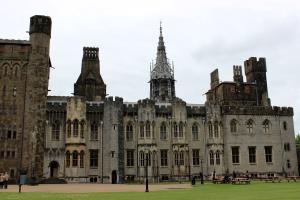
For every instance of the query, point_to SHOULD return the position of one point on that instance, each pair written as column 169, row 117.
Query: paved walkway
column 87, row 188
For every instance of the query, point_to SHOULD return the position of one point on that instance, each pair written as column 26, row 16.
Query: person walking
column 1, row 181
column 5, row 177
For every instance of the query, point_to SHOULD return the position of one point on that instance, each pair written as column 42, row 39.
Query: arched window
column 175, row 130
column 163, row 131
column 5, row 70
column 148, row 129
column 176, row 158
column 81, row 159
column 75, row 128
column 285, row 125
column 233, row 126
column 142, row 134
column 94, row 131
column 249, row 126
column 211, row 158
column 82, row 129
column 142, row 159
column 216, row 129
column 75, row 159
column 16, row 70
column 69, row 128
column 195, row 132
column 218, row 161
column 266, row 126
column 55, row 130
column 181, row 130
column 129, row 132
column 181, row 158
column 210, row 130
column 148, row 159
column 68, row 157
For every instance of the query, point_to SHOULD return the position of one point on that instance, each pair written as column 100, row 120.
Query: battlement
column 257, row 110
column 40, row 24
column 90, row 52
column 196, row 110
column 112, row 99
column 147, row 101
column 254, row 65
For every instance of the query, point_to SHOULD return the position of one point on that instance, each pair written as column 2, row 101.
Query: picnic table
column 273, row 180
column 240, row 181
column 292, row 178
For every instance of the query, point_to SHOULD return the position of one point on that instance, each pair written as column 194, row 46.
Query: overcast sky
column 199, row 36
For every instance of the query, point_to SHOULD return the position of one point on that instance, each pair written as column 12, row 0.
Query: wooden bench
column 273, row 180
column 217, row 181
column 240, row 181
column 291, row 178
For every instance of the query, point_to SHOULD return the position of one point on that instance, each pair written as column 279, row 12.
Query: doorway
column 114, row 177
column 54, row 169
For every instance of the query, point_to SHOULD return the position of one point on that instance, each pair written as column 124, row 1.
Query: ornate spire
column 162, row 83
column 162, row 68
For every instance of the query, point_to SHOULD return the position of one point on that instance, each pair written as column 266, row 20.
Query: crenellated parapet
column 196, row 110
column 257, row 110
column 90, row 52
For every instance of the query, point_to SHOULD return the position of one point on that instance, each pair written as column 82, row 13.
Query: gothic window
column 216, row 129
column 82, row 129
column 4, row 91
column 252, row 155
column 181, row 158
column 142, row 134
column 266, row 126
column 196, row 157
column 288, row 164
column 235, row 155
column 218, row 159
column 175, row 130
column 68, row 158
column 181, row 126
column 130, row 158
column 55, row 130
column 164, row 158
column 268, row 154
column 69, row 128
column 233, row 126
column 210, row 130
column 81, row 159
column 249, row 126
column 129, row 132
column 211, row 158
column 75, row 159
column 75, row 128
column 93, row 158
column 163, row 131
column 142, row 159
column 148, row 159
column 195, row 132
column 94, row 131
column 16, row 71
column 287, row 147
column 176, row 158
column 148, row 129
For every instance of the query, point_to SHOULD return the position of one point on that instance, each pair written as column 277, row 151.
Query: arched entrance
column 114, row 177
column 54, row 169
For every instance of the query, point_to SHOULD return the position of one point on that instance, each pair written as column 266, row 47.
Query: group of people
column 3, row 180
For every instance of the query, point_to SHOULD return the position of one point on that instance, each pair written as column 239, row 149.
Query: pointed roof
column 162, row 67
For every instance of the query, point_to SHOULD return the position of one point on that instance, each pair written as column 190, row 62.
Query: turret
column 214, row 78
column 36, row 86
column 237, row 74
column 256, row 73
column 90, row 83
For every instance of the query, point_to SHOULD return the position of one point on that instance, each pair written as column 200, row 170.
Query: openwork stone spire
column 162, row 67
column 162, row 83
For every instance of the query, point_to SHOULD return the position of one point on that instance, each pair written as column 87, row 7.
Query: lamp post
column 201, row 176
column 146, row 170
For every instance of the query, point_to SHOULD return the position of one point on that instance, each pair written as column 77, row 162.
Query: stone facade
column 89, row 137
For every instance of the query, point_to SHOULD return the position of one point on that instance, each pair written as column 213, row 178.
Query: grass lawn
column 254, row 191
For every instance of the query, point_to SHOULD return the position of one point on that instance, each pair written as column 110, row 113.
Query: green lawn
column 254, row 191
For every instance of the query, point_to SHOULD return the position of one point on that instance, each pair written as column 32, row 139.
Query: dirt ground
column 87, row 188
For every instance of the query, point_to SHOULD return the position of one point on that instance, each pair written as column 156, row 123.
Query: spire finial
column 160, row 28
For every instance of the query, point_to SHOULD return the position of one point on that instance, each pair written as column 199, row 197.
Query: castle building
column 89, row 137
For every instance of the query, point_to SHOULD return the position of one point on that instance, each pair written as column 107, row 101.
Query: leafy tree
column 298, row 141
